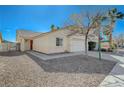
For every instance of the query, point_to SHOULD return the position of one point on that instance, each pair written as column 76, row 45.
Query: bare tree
column 88, row 22
column 98, row 24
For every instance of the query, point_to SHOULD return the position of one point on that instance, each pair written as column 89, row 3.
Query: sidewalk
column 116, row 76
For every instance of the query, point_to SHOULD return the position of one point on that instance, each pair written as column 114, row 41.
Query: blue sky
column 40, row 18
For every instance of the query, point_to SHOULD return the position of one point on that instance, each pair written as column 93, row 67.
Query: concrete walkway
column 116, row 76
column 52, row 56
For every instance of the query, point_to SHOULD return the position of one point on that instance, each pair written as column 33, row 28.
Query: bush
column 113, row 47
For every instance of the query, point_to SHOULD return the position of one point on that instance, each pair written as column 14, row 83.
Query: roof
column 27, row 34
column 72, row 28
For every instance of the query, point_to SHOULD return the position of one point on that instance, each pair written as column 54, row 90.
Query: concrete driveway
column 22, row 69
column 116, row 76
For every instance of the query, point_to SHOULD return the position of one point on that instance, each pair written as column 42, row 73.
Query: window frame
column 59, row 41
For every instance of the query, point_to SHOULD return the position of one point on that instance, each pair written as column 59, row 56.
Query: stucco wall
column 105, row 45
column 47, row 43
column 27, row 44
column 20, row 40
column 0, row 38
column 52, row 48
column 0, row 41
column 22, row 44
column 40, row 44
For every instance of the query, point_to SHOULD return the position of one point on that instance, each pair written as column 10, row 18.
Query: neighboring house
column 105, row 45
column 61, row 40
column 6, row 45
column 0, row 38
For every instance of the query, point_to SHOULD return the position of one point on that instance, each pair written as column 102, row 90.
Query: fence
column 4, row 47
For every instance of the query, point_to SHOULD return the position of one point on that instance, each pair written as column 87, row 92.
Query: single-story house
column 61, row 40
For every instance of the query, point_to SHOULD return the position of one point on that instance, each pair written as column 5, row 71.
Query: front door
column 31, row 44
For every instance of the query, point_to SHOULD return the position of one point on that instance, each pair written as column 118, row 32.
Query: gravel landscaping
column 21, row 69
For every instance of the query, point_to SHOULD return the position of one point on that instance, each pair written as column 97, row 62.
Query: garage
column 77, row 45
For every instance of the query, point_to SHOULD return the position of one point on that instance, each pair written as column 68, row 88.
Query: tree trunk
column 99, row 43
column 86, row 41
column 86, row 45
column 110, row 38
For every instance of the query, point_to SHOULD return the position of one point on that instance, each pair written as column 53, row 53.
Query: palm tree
column 113, row 15
column 52, row 26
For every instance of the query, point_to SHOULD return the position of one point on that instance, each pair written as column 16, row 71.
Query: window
column 59, row 41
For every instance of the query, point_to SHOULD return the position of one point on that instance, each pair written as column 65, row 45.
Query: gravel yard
column 21, row 69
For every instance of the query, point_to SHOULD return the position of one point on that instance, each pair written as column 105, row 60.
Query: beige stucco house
column 61, row 40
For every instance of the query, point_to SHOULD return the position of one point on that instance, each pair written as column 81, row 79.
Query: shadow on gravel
column 11, row 53
column 75, row 64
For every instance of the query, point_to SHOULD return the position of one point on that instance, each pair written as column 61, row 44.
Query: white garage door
column 77, row 45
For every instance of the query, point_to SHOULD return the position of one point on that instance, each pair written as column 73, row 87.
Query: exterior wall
column 41, row 44
column 105, row 45
column 27, row 44
column 47, row 43
column 0, row 38
column 0, row 41
column 20, row 40
column 52, row 48
column 24, row 43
